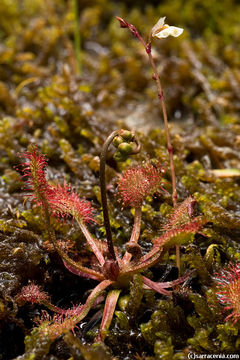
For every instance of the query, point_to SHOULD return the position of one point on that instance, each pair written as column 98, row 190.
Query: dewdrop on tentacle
column 138, row 182
column 228, row 290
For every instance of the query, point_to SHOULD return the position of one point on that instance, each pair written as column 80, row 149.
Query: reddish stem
column 165, row 118
column 92, row 243
column 147, row 47
column 109, row 308
column 135, row 234
column 78, row 267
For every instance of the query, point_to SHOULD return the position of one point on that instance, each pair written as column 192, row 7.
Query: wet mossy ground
column 44, row 99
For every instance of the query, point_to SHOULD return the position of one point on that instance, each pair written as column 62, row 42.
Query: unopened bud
column 122, row 22
column 117, row 141
column 118, row 157
column 126, row 135
column 125, row 148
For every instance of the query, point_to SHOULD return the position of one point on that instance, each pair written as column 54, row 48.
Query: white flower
column 161, row 30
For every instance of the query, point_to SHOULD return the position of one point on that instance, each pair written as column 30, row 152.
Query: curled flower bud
column 123, row 23
column 138, row 182
column 125, row 136
column 161, row 30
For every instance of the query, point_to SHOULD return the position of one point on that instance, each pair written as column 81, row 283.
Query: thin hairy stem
column 169, row 144
column 165, row 118
column 57, row 309
column 92, row 243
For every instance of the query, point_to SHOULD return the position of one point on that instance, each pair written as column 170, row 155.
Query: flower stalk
column 104, row 193
column 158, row 31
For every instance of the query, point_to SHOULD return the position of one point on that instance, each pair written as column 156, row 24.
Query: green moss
column 228, row 335
column 165, row 325
column 195, row 261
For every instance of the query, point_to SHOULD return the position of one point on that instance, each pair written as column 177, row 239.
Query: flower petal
column 171, row 30
column 157, row 27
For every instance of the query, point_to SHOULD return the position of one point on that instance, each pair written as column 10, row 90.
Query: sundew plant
column 112, row 269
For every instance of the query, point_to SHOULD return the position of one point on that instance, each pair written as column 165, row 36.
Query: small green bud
column 125, row 148
column 117, row 141
column 126, row 135
column 118, row 157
